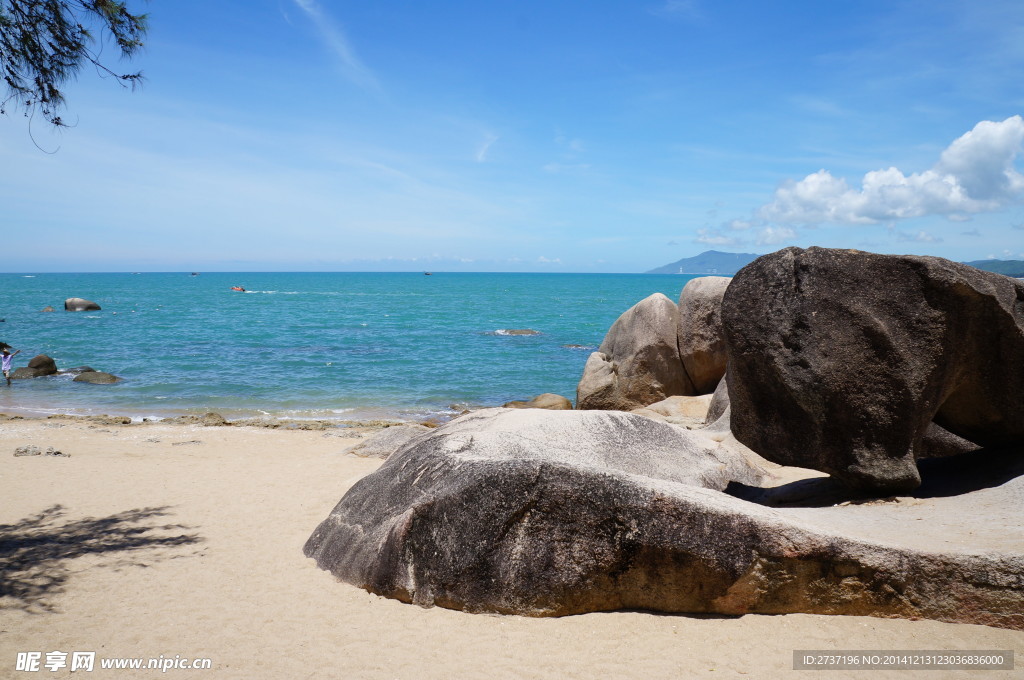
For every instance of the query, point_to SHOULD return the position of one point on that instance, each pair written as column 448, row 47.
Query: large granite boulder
column 638, row 362
column 562, row 512
column 700, row 337
column 76, row 304
column 38, row 366
column 840, row 360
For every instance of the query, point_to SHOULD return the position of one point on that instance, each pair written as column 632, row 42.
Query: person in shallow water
column 7, row 356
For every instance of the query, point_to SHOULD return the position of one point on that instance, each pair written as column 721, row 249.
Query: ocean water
column 344, row 346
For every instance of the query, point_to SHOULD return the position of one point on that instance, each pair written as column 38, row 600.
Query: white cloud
column 974, row 174
column 544, row 260
column 739, row 225
column 921, row 236
column 714, row 237
column 770, row 236
column 335, row 38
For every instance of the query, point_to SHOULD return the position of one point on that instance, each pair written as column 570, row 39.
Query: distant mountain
column 712, row 262
column 1014, row 268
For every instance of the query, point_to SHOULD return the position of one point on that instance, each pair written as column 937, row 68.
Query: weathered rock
column 678, row 410
column 387, row 441
column 76, row 304
column 47, row 308
column 719, row 405
column 38, row 366
column 96, row 378
column 553, row 402
column 207, row 420
column 43, row 364
column 700, row 337
column 551, row 513
column 638, row 363
column 75, row 370
column 840, row 360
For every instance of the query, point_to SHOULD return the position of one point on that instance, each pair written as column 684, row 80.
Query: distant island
column 710, row 263
column 1014, row 268
column 717, row 263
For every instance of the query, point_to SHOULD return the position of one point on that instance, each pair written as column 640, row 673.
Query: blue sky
column 529, row 136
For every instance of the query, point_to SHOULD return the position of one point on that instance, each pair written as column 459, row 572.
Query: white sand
column 243, row 595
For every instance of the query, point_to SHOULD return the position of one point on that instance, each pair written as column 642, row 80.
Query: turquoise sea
column 344, row 346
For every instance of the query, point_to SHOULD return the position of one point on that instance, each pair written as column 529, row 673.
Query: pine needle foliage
column 44, row 43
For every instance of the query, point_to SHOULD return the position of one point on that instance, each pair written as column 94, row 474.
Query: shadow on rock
column 940, row 478
column 33, row 551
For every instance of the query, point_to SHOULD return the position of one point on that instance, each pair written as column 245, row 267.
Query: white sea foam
column 514, row 331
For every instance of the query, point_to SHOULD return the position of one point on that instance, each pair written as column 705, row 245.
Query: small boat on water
column 238, row 288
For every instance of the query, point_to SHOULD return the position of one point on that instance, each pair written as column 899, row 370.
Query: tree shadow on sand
column 33, row 551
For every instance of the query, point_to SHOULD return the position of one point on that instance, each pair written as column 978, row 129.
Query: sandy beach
column 185, row 541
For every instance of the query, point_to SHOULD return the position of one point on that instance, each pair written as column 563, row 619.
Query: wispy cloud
column 920, row 236
column 335, row 39
column 677, row 9
column 714, row 237
column 772, row 236
column 484, row 147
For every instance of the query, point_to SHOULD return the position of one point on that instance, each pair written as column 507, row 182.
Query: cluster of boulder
column 659, row 349
column 841, row 377
column 41, row 365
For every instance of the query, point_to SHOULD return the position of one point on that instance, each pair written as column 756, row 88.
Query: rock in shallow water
column 76, row 304
column 562, row 512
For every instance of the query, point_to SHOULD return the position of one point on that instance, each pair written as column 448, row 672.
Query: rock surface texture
column 840, row 360
column 700, row 338
column 554, row 402
column 561, row 512
column 80, row 305
column 638, row 362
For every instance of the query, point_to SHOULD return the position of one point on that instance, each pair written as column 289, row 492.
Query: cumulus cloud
column 974, row 174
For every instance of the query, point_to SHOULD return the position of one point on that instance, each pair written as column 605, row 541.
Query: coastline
column 177, row 538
